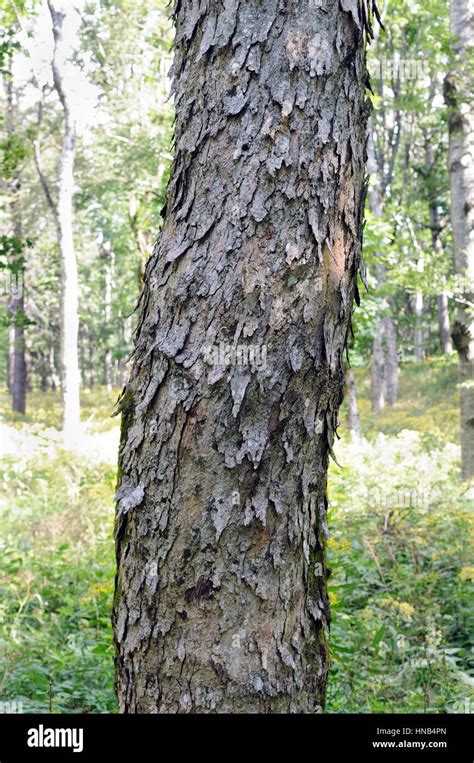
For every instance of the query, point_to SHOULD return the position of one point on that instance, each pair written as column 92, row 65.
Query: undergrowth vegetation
column 401, row 584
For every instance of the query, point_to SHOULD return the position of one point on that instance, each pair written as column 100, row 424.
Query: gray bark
column 221, row 601
column 458, row 92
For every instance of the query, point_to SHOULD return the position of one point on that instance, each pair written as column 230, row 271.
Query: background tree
column 458, row 92
column 64, row 214
column 13, row 245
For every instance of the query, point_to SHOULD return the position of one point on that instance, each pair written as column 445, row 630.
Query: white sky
column 39, row 43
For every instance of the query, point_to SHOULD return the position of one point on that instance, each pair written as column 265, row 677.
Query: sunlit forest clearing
column 401, row 559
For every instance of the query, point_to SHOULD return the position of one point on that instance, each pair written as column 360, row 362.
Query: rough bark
column 458, row 93
column 221, row 600
column 70, row 375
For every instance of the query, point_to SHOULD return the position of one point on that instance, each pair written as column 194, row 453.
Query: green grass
column 56, row 583
column 399, row 551
column 429, row 402
column 44, row 410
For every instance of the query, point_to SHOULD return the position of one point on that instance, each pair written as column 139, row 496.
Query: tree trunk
column 16, row 302
column 55, row 380
column 43, row 372
column 384, row 366
column 353, row 419
column 435, row 225
column 458, row 92
column 391, row 360
column 70, row 376
column 109, row 257
column 418, row 332
column 18, row 362
column 230, row 411
column 92, row 358
column 443, row 323
column 127, row 335
column 377, row 369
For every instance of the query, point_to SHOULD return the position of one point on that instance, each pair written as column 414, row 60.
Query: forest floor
column 399, row 551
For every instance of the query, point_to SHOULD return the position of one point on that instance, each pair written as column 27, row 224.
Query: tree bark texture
column 458, row 92
column 221, row 601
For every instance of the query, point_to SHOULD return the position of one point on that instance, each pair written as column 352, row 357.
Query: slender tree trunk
column 43, row 372
column 70, row 376
column 108, row 254
column 231, row 408
column 92, row 358
column 418, row 332
column 16, row 305
column 377, row 369
column 391, row 360
column 443, row 323
column 384, row 367
column 435, row 225
column 55, row 380
column 18, row 376
column 459, row 86
column 10, row 354
column 353, row 419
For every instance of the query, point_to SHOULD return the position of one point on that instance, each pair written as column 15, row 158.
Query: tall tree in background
column 16, row 308
column 437, row 244
column 221, row 601
column 70, row 376
column 353, row 417
column 459, row 86
column 384, row 367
